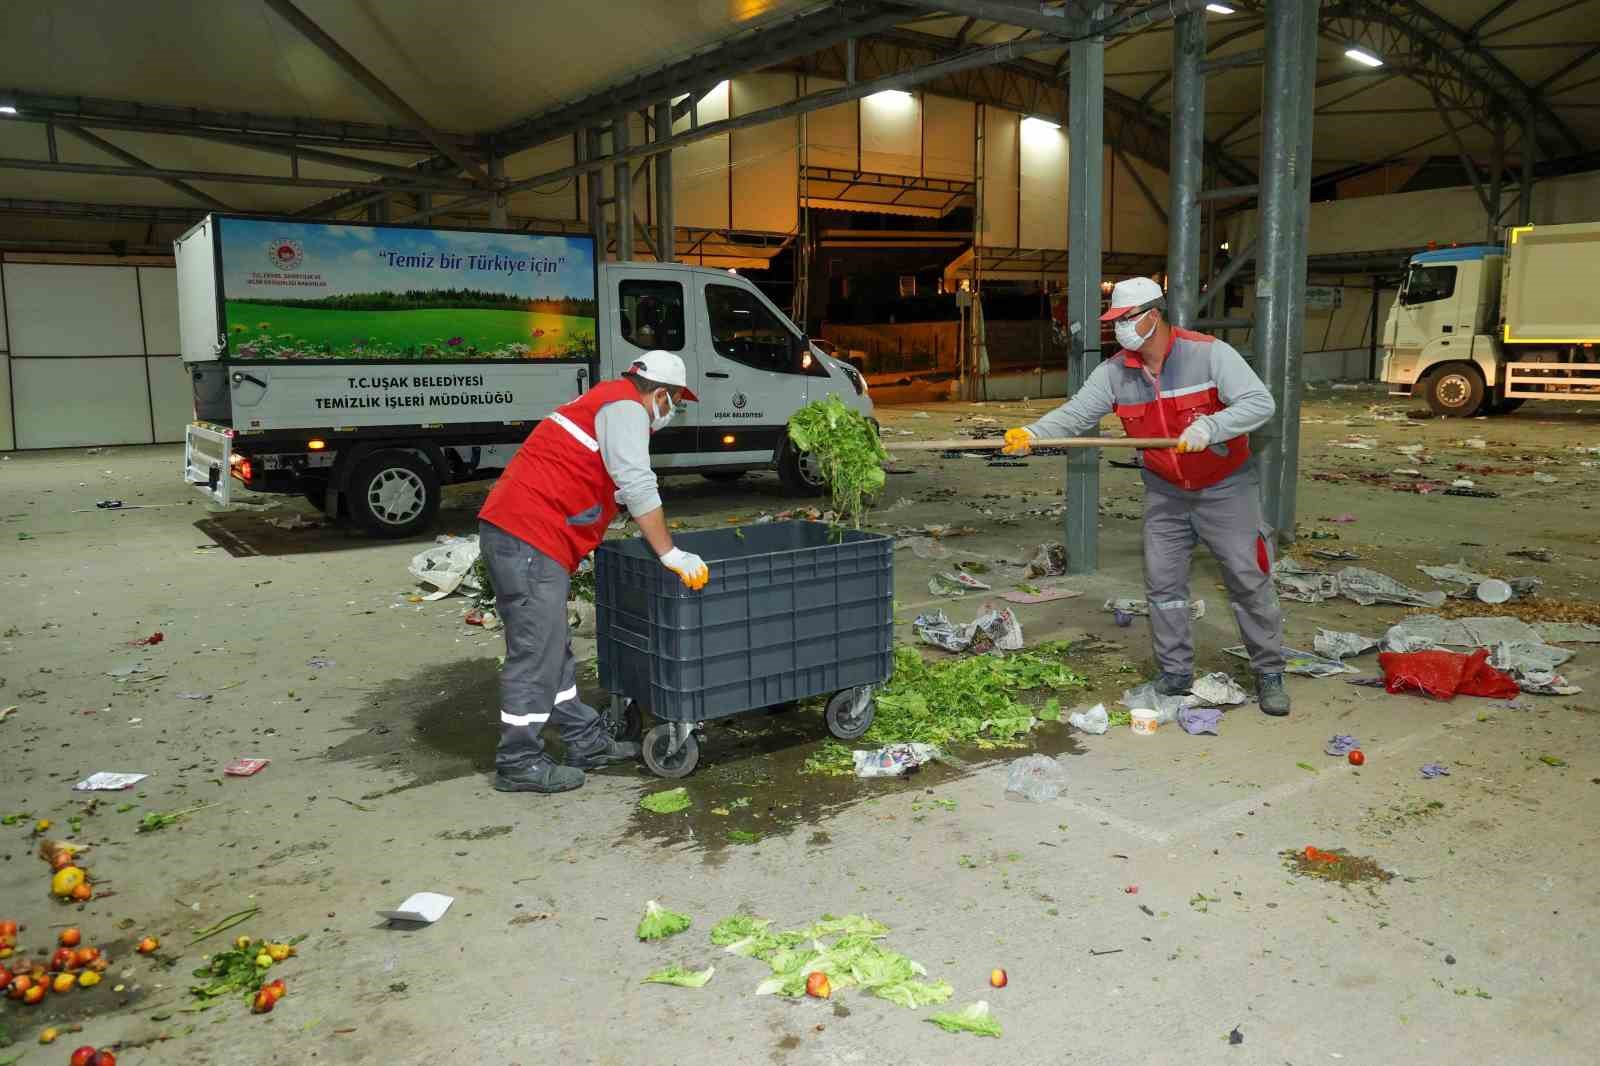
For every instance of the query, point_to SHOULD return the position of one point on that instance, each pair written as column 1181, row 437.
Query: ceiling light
column 1219, row 9
column 1048, row 123
column 899, row 95
column 1362, row 56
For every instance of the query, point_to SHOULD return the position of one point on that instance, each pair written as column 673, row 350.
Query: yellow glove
column 1019, row 441
column 688, row 566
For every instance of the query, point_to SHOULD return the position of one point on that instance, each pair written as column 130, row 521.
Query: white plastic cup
column 1143, row 721
column 1494, row 591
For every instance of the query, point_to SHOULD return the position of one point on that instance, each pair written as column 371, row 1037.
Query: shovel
column 1043, row 442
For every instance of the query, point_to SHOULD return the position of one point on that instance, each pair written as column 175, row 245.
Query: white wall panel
column 1043, row 218
column 158, row 295
column 72, row 310
column 171, row 397
column 67, row 402
column 891, row 133
column 766, row 158
column 832, row 134
column 559, row 200
column 948, row 128
column 8, row 439
column 1132, row 225
column 700, row 186
column 1000, row 178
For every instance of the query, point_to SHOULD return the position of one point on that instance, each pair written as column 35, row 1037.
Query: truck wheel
column 394, row 493
column 722, row 476
column 1455, row 390
column 799, row 473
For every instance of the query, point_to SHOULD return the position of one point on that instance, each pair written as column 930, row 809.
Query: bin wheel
column 680, row 763
column 624, row 721
column 844, row 720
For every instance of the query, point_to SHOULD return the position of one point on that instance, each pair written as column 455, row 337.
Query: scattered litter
column 1364, row 445
column 7, row 712
column 1336, row 865
column 1340, row 744
column 1462, row 483
column 294, row 522
column 1299, row 661
column 1197, row 608
column 1296, row 581
column 317, row 662
column 1538, row 555
column 992, row 630
column 1197, row 720
column 1090, row 719
column 447, row 566
column 1144, row 721
column 895, row 760
column 1049, row 561
column 1215, row 689
column 956, row 583
column 1445, row 674
column 1545, row 479
column 1479, row 494
column 667, row 801
column 201, row 696
column 108, row 781
column 1334, row 554
column 678, row 975
column 974, row 1019
column 245, row 767
column 426, row 907
column 1472, row 442
column 1146, row 698
column 1568, row 632
column 1037, row 778
column 1028, row 594
column 1337, row 644
column 1235, row 1037
column 923, row 547
column 1423, row 631
column 1435, row 769
column 127, row 671
column 145, row 642
column 1122, row 618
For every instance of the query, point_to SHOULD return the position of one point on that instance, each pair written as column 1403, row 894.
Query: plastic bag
column 1090, row 719
column 447, row 565
column 1037, row 778
column 1445, row 674
column 1146, row 696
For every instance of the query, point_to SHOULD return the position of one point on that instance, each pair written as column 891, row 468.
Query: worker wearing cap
column 1170, row 382
column 545, row 514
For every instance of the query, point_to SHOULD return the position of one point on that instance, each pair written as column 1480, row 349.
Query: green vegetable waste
column 848, row 453
column 973, row 1018
column 659, row 923
column 955, row 701
column 854, row 959
column 669, row 801
column 677, row 975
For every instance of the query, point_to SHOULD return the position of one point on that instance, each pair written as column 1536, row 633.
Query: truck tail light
column 243, row 470
column 316, row 444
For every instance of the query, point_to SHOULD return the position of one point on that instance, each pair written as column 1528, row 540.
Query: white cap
column 663, row 368
column 1129, row 294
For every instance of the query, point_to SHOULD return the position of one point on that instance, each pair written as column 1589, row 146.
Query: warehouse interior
column 942, row 193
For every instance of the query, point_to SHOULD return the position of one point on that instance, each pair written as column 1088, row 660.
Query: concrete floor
column 1480, row 950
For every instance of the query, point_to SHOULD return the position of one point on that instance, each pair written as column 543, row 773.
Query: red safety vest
column 1166, row 408
column 556, row 493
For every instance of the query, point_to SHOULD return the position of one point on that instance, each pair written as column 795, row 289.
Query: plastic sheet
column 1090, row 719
column 1036, row 778
column 447, row 565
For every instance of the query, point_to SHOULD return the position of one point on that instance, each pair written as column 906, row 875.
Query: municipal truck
column 366, row 366
column 1482, row 328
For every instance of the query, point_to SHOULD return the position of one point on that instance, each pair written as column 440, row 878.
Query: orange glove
column 1019, row 441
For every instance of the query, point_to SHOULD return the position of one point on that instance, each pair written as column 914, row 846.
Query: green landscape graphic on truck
column 309, row 291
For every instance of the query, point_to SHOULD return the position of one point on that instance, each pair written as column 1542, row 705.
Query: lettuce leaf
column 850, row 924
column 669, row 801
column 915, row 993
column 677, row 975
column 764, row 945
column 973, row 1018
column 659, row 923
column 739, row 927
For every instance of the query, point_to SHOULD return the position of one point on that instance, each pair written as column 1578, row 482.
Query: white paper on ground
column 107, row 781
column 420, row 907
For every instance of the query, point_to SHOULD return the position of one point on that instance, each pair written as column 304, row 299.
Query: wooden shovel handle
column 1055, row 442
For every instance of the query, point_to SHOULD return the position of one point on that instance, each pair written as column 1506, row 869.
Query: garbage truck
column 367, row 365
column 1480, row 329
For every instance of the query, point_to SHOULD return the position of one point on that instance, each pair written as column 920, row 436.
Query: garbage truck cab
column 1439, row 342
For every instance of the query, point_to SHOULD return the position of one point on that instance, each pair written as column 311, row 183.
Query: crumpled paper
column 956, row 583
column 1468, row 580
column 1197, row 720
column 1337, row 644
column 447, row 565
column 1424, row 631
column 992, row 630
column 1532, row 665
column 1299, row 661
column 896, row 760
column 1215, row 690
column 1197, row 608
column 1049, row 561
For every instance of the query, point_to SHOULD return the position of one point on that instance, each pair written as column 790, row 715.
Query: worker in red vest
column 545, row 514
column 1170, row 382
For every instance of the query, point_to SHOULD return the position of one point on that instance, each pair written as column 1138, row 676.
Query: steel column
column 497, row 206
column 1288, row 98
column 1188, row 159
column 1497, row 172
column 378, row 212
column 1085, row 167
column 590, row 142
column 622, row 189
column 666, row 241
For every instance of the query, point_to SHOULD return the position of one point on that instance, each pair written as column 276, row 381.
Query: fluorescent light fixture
column 899, row 95
column 1040, row 121
column 1219, row 9
column 7, row 109
column 1362, row 56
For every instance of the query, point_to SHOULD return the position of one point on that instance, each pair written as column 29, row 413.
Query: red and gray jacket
column 1202, row 378
column 556, row 494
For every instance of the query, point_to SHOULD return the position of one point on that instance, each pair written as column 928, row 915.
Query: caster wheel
column 844, row 720
column 624, row 720
column 680, row 763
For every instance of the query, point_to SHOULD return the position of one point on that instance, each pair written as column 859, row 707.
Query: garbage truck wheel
column 1455, row 390
column 394, row 493
column 680, row 763
column 799, row 473
column 844, row 720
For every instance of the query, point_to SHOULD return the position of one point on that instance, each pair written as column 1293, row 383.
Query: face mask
column 1128, row 335
column 660, row 421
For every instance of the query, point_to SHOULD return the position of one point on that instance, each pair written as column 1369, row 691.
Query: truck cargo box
column 1548, row 295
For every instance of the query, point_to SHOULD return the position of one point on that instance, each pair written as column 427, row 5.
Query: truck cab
column 1439, row 341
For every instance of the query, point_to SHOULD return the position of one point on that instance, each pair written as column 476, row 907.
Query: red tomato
column 61, row 960
column 83, row 1056
column 1356, row 758
column 817, row 985
column 103, row 1058
column 70, row 938
column 8, row 928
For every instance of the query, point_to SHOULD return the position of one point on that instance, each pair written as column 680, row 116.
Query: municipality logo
column 285, row 254
column 739, row 400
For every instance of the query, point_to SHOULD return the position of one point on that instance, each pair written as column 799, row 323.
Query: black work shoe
column 615, row 751
column 1271, row 695
column 1170, row 684
column 540, row 777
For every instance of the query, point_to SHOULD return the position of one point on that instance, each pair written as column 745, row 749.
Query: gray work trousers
column 539, row 680
column 1227, row 519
